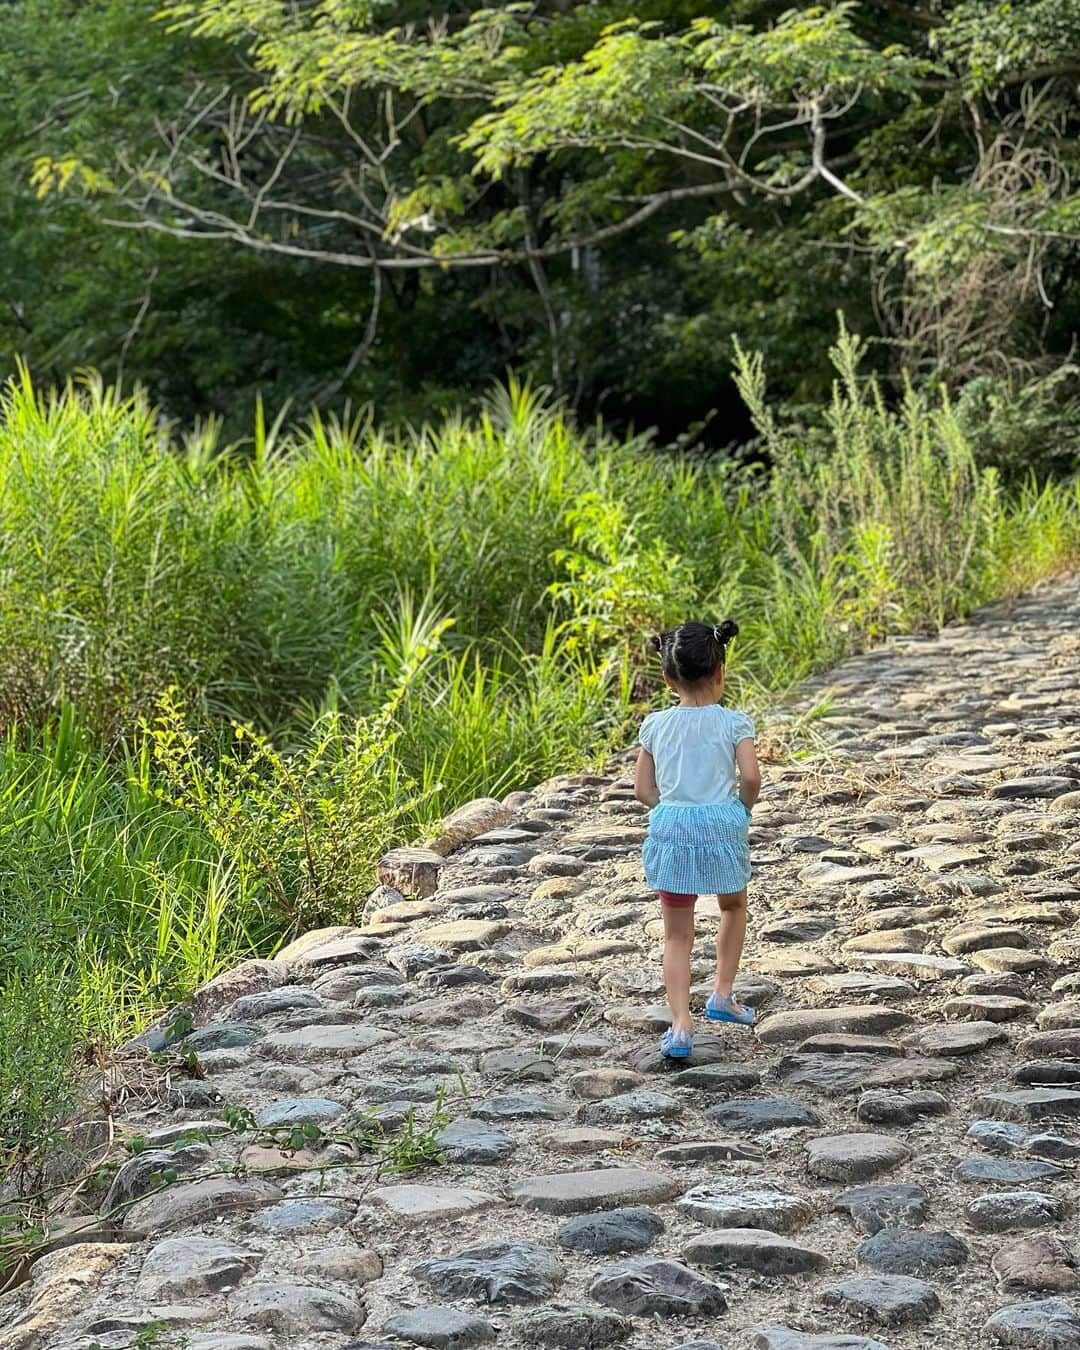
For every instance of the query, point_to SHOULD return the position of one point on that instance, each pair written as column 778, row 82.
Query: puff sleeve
column 741, row 727
column 645, row 733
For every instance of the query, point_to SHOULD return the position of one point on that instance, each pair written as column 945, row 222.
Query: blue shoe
column 721, row 1008
column 676, row 1044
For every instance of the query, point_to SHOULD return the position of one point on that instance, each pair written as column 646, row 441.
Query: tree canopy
column 605, row 193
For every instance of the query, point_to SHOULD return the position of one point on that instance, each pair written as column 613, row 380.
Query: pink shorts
column 677, row 899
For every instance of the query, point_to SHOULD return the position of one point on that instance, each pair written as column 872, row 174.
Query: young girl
column 696, row 842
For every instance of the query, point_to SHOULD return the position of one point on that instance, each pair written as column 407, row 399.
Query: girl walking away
column 697, row 769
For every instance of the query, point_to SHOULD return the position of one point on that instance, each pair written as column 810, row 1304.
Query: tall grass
column 231, row 676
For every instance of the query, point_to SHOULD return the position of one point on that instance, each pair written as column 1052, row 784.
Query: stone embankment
column 890, row 1160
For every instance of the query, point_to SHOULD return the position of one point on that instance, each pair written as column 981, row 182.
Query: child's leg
column 678, row 912
column 730, row 937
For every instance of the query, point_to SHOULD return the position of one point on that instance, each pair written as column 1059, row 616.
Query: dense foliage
column 393, row 201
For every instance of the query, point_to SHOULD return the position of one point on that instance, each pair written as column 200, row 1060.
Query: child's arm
column 749, row 773
column 645, row 789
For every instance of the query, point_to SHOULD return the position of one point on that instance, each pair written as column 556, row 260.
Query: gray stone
column 300, row 1216
column 602, row 1188
column 440, row 1328
column 900, row 1108
column 518, row 1106
column 495, row 1272
column 191, row 1267
column 474, row 1141
column 212, row 1340
column 854, row 1157
column 708, row 1050
column 1049, row 1324
column 619, row 1230
column 550, row 1015
column 1054, row 1146
column 643, row 1286
column 737, row 1204
column 1013, row 1211
column 782, row 1338
column 909, row 1251
column 413, row 958
column 453, row 977
column 862, row 1019
column 1049, row 1071
column 891, row 1300
column 996, row 1136
column 755, row 1115
column 337, row 1041
column 1038, row 786
column 270, row 1002
column 1014, row 1173
column 299, row 1111
column 570, row 1327
column 297, row 1309
column 956, row 1038
column 1032, row 1104
column 424, row 1204
column 855, row 982
column 522, row 1065
column 752, row 1249
column 710, row 1150
column 198, row 1201
column 222, row 1036
column 146, row 1172
column 640, row 1104
column 875, row 1207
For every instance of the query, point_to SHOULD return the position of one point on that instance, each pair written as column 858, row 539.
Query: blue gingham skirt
column 697, row 850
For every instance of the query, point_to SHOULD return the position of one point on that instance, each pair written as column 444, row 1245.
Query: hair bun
column 724, row 632
column 657, row 642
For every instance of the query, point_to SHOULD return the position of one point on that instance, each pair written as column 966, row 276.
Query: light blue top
column 694, row 752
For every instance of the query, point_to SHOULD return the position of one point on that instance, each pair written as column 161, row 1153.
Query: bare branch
column 362, row 348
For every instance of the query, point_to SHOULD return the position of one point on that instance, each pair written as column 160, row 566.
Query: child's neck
column 695, row 699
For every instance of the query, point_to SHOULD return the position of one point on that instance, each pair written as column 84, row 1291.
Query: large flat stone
column 753, row 1249
column 1014, row 1211
column 495, row 1272
column 866, row 1019
column 572, row 1326
column 296, row 1309
column 1031, row 1104
column 337, row 1041
column 724, row 1203
column 1049, row 1324
column 783, row 1338
column 602, row 1188
column 425, row 1204
column 912, row 1251
column 641, row 1286
column 440, row 1328
column 854, row 1157
column 193, row 1267
column 890, row 1300
column 756, row 1115
column 892, row 1204
column 199, row 1201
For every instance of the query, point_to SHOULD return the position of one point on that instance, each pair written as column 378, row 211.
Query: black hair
column 693, row 651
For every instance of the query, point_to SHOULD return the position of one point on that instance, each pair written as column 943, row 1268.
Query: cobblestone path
column 889, row 1160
